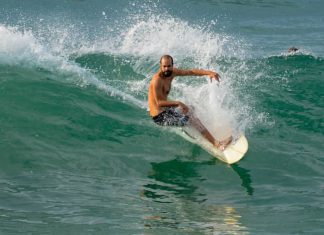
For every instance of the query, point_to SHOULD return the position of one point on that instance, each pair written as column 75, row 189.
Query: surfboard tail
column 233, row 153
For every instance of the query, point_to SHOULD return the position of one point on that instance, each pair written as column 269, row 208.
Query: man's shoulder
column 155, row 79
column 156, row 75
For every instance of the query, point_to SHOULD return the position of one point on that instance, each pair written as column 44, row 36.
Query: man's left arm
column 196, row 72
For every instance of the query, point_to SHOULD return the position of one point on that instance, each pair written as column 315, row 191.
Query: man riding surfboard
column 175, row 113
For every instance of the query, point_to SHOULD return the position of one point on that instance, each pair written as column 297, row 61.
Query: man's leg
column 195, row 122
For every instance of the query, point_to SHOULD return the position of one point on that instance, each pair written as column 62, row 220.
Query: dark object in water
column 292, row 49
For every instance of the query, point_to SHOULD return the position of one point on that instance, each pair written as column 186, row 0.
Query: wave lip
column 18, row 47
column 23, row 49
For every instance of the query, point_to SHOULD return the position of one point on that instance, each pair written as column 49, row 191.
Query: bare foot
column 227, row 141
column 221, row 145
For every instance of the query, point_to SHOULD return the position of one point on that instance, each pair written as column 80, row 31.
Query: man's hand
column 184, row 108
column 215, row 76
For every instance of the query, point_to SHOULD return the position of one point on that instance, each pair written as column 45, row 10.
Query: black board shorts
column 171, row 117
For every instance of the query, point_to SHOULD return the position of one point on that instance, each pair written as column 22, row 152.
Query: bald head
column 166, row 57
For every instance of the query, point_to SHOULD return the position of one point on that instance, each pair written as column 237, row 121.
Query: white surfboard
column 234, row 152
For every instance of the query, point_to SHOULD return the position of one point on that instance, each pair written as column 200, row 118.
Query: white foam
column 16, row 47
column 158, row 35
column 23, row 49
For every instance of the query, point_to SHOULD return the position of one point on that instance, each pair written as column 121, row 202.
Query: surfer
column 166, row 112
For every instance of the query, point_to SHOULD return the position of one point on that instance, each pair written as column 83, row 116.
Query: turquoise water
column 80, row 155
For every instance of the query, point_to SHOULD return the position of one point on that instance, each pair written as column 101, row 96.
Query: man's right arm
column 162, row 102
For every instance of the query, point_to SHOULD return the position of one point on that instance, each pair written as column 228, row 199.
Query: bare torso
column 159, row 87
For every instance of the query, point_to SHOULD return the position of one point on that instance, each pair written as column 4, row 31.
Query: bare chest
column 166, row 87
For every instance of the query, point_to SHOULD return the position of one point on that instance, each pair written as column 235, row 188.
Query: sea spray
column 22, row 48
column 192, row 46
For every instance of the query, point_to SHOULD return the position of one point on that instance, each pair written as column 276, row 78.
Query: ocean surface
column 79, row 153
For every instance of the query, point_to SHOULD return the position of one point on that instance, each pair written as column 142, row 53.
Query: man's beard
column 167, row 74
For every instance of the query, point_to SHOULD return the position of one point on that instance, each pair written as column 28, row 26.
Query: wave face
column 80, row 154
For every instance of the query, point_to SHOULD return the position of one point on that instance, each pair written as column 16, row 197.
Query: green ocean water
column 80, row 155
